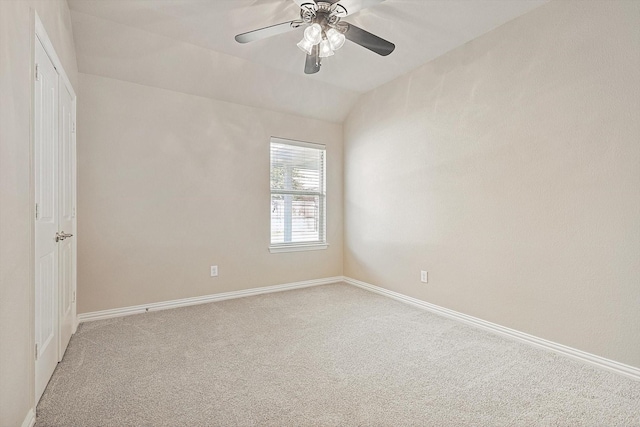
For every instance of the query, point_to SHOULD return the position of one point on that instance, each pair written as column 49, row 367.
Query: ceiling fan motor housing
column 326, row 14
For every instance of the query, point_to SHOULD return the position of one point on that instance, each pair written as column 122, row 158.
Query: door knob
column 62, row 236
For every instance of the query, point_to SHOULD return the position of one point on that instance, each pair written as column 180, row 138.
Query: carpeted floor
column 331, row 355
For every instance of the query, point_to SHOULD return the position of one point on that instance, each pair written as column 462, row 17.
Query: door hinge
column 74, row 297
column 36, row 211
column 36, row 351
column 37, row 72
column 73, row 127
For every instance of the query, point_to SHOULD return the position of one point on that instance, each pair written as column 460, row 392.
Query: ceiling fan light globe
column 306, row 46
column 325, row 49
column 336, row 38
column 313, row 34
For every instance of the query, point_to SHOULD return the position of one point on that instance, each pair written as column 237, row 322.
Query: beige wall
column 171, row 183
column 510, row 170
column 16, row 303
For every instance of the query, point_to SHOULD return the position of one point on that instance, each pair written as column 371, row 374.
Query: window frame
column 322, row 195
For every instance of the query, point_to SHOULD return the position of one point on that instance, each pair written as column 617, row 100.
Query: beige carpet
column 331, row 355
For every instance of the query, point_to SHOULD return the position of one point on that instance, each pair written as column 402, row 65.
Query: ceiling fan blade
column 312, row 63
column 265, row 32
column 353, row 6
column 369, row 41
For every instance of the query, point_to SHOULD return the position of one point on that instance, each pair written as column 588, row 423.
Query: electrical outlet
column 424, row 276
column 214, row 270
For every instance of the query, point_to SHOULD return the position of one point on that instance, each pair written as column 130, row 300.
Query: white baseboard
column 592, row 359
column 126, row 311
column 580, row 355
column 30, row 419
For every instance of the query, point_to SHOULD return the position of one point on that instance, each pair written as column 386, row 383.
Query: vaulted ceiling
column 189, row 46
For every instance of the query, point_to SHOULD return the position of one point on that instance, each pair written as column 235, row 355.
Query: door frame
column 40, row 35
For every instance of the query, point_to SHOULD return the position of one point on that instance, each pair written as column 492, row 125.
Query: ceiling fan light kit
column 306, row 46
column 336, row 39
column 325, row 49
column 313, row 34
column 325, row 32
column 321, row 31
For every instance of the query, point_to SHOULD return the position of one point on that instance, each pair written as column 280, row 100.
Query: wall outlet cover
column 424, row 276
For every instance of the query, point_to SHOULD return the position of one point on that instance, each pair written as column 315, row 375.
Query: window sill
column 274, row 249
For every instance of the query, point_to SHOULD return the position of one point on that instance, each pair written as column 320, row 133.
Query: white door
column 66, row 229
column 46, row 223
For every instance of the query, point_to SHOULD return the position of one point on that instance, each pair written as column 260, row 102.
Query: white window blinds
column 297, row 193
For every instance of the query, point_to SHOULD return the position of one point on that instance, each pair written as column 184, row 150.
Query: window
column 297, row 196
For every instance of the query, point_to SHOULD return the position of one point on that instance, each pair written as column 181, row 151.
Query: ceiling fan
column 325, row 32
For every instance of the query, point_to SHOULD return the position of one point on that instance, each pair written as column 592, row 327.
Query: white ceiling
column 421, row 30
